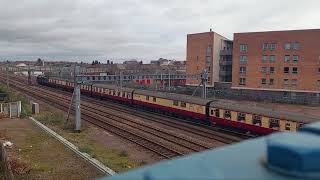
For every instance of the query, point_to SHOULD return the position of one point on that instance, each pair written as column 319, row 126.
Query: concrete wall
column 224, row 90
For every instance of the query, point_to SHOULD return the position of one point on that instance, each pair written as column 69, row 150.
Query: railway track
column 140, row 139
column 212, row 133
column 155, row 137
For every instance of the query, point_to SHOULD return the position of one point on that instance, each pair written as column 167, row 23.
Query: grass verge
column 119, row 161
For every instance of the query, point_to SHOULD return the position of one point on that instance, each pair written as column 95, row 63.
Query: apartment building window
column 208, row 59
column 318, row 70
column 287, row 46
column 243, row 59
column 209, row 50
column 242, row 81
column 295, row 58
column 265, row 46
column 271, row 82
column 295, row 45
column 264, row 69
column 294, row 70
column 286, row 58
column 318, row 83
column 243, row 70
column 263, row 81
column 294, row 82
column 273, row 46
column 265, row 58
column 286, row 70
column 243, row 48
column 286, row 81
column 271, row 70
column 272, row 58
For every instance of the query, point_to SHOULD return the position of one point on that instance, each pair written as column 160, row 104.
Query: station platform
column 280, row 156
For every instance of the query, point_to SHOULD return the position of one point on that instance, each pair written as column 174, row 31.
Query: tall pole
column 169, row 80
column 77, row 107
column 121, row 80
column 77, row 99
column 7, row 68
column 204, row 83
column 29, row 75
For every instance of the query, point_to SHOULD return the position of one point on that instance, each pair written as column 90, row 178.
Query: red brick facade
column 203, row 52
column 277, row 60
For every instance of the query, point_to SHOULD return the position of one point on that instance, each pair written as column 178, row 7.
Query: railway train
column 233, row 116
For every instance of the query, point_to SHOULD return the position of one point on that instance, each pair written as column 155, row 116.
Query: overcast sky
column 147, row 29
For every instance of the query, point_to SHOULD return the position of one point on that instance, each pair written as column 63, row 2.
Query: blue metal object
column 294, row 154
column 312, row 128
column 280, row 156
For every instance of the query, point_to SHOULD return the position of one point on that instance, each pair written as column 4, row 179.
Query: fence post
column 9, row 110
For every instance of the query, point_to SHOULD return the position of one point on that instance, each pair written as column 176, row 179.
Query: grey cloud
column 146, row 29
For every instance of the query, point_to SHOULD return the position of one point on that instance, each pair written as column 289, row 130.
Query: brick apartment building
column 287, row 62
column 204, row 51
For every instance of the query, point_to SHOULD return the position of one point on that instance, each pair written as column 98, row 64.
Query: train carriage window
column 114, row 93
column 212, row 112
column 274, row 123
column 154, row 99
column 256, row 120
column 287, row 126
column 147, row 98
column 227, row 114
column 183, row 104
column 176, row 103
column 124, row 94
column 128, row 95
column 118, row 93
column 217, row 112
column 241, row 117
